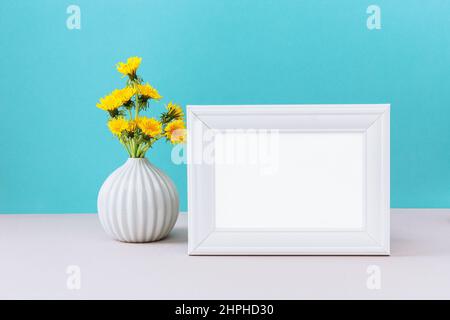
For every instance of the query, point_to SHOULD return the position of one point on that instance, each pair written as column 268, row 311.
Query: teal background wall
column 55, row 149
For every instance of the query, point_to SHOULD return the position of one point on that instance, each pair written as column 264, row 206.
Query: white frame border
column 372, row 119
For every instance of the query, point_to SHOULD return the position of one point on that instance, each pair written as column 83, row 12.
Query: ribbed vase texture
column 138, row 202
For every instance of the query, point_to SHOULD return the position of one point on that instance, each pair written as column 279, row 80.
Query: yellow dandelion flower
column 109, row 103
column 174, row 111
column 149, row 126
column 175, row 131
column 139, row 119
column 132, row 125
column 117, row 125
column 129, row 68
column 148, row 92
column 116, row 99
column 124, row 95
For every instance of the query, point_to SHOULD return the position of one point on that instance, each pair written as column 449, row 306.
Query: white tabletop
column 36, row 251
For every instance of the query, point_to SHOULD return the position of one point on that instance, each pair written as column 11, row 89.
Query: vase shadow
column 177, row 235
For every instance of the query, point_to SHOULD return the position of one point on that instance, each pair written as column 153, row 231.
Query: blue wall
column 55, row 149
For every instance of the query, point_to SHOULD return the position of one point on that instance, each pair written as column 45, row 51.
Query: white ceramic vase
column 138, row 202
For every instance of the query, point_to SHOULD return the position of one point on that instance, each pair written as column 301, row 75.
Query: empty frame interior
column 289, row 180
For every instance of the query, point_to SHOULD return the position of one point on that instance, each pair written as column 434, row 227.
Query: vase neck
column 137, row 160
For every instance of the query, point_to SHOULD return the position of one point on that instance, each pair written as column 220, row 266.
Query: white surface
column 36, row 250
column 321, row 188
column 308, row 168
column 138, row 202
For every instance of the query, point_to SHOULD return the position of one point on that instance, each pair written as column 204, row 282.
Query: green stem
column 137, row 106
column 141, row 148
column 134, row 148
column 127, row 147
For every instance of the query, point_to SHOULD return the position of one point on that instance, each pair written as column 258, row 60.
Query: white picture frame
column 331, row 180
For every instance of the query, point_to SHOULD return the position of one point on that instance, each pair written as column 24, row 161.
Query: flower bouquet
column 138, row 202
